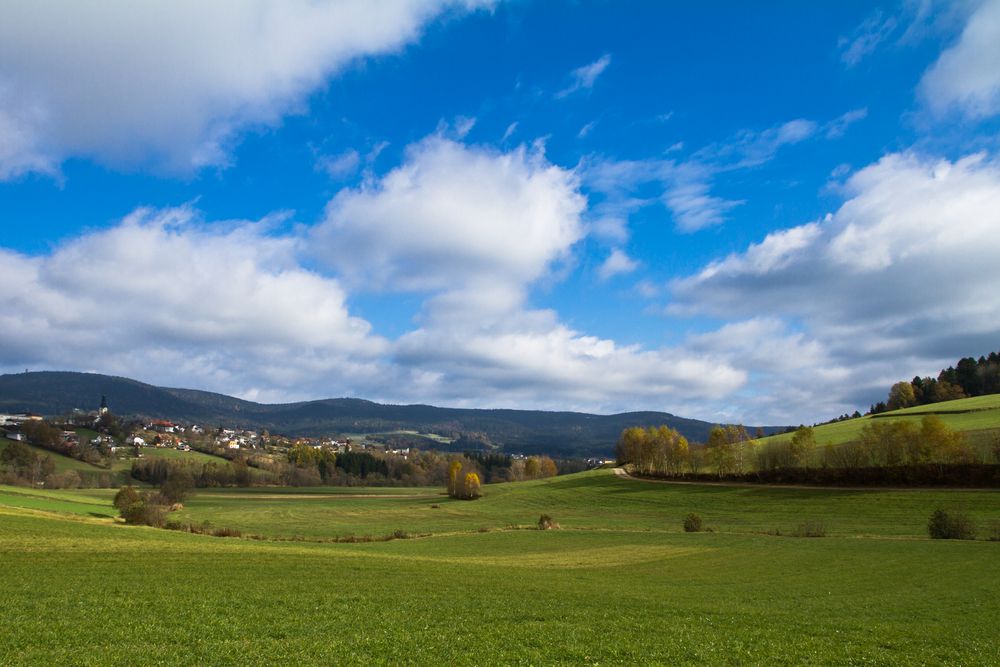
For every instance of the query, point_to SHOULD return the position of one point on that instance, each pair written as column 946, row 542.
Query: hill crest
column 528, row 431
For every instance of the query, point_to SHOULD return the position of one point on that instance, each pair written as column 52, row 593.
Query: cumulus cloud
column 966, row 77
column 167, row 299
column 451, row 214
column 170, row 83
column 475, row 229
column 900, row 279
column 583, row 78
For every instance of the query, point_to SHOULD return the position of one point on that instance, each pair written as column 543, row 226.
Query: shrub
column 226, row 532
column 545, row 522
column 693, row 523
column 951, row 526
column 811, row 528
column 126, row 496
column 143, row 512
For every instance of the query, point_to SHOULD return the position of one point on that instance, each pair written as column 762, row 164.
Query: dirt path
column 328, row 496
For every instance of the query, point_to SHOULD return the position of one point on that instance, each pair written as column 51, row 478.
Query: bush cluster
column 810, row 528
column 951, row 526
column 693, row 523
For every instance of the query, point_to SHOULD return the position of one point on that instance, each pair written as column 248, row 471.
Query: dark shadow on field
column 100, row 515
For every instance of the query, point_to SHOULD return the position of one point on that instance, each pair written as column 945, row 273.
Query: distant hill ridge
column 528, row 431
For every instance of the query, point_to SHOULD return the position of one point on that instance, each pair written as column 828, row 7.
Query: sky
column 739, row 212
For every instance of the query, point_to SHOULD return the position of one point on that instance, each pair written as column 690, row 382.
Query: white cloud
column 169, row 83
column 686, row 192
column 509, row 132
column 450, row 214
column 966, row 76
column 164, row 298
column 838, row 126
column 475, row 229
column 583, row 78
column 464, row 125
column 617, row 263
column 874, row 30
column 340, row 165
column 529, row 358
column 901, row 279
column 687, row 184
column 750, row 148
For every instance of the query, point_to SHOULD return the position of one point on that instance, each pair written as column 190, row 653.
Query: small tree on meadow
column 472, row 487
column 126, row 496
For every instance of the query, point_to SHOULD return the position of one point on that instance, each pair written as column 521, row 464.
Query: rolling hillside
column 528, row 431
column 978, row 417
column 620, row 583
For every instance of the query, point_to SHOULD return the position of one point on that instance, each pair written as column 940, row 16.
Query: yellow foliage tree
column 472, row 486
column 454, row 470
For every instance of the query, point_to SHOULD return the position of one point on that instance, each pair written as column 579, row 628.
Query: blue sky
column 726, row 211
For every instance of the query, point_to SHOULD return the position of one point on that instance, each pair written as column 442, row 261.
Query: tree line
column 925, row 449
column 969, row 377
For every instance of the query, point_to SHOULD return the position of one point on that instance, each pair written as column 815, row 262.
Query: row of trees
column 654, row 450
column 731, row 451
column 881, row 443
column 969, row 377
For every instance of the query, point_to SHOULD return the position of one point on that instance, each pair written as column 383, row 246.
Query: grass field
column 619, row 584
column 122, row 464
column 979, row 417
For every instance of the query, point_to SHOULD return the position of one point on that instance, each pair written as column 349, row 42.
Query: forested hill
column 528, row 431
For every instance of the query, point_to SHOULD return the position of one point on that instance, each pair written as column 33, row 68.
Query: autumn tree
column 471, row 488
column 629, row 445
column 901, row 395
column 547, row 467
column 801, row 446
column 721, row 451
column 454, row 470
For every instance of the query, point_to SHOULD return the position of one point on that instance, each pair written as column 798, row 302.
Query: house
column 162, row 426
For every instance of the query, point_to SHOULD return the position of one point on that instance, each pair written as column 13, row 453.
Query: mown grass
column 595, row 500
column 619, row 584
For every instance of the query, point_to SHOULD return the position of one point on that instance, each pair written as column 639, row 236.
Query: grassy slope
column 62, row 463
column 594, row 500
column 619, row 585
column 974, row 415
column 66, row 463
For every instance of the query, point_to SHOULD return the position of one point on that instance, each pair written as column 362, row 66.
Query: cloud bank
column 168, row 83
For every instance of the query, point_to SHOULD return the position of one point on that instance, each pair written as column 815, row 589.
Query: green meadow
column 619, row 583
column 978, row 417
